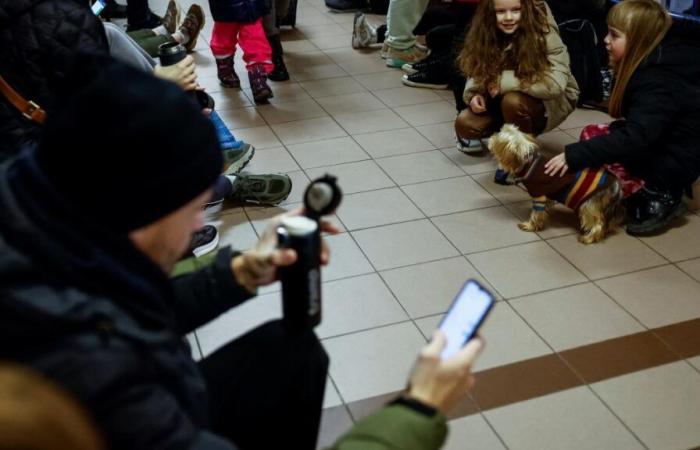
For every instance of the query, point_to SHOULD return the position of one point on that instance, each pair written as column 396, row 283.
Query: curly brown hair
column 487, row 51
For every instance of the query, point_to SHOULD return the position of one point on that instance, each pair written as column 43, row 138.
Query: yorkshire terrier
column 595, row 194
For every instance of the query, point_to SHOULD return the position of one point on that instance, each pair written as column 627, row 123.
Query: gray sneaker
column 270, row 189
column 363, row 34
column 235, row 159
column 171, row 17
column 469, row 146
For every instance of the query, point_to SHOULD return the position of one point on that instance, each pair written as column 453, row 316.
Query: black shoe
column 433, row 59
column 204, row 241
column 346, row 5
column 651, row 210
column 430, row 78
column 113, row 10
column 279, row 73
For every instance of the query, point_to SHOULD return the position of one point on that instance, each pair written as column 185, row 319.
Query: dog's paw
column 527, row 226
column 590, row 238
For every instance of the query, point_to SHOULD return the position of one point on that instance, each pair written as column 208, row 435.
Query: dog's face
column 512, row 148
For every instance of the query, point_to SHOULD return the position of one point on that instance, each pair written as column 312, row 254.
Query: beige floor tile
column 239, row 321
column 260, row 217
column 335, row 422
column 403, row 244
column 327, row 152
column 373, row 362
column 259, row 137
column 346, row 304
column 554, row 142
column 229, row 99
column 328, row 42
column 582, row 117
column 418, row 167
column 692, row 268
column 661, row 405
column 449, row 196
column 617, row 254
column 315, row 32
column 427, row 113
column 656, row 297
column 472, row 432
column 575, row 316
column 350, row 103
column 681, row 241
column 571, row 419
column 313, row 66
column 332, row 87
column 370, row 121
column 381, row 80
column 509, row 339
column 365, row 65
column 374, row 208
column 308, row 130
column 574, row 133
column 393, row 142
column 288, row 91
column 442, row 135
column 695, row 362
column 272, row 160
column 525, row 269
column 428, row 325
column 355, row 177
column 331, row 397
column 348, row 53
column 235, row 230
column 241, row 118
column 469, row 163
column 506, row 194
column 299, row 46
column 291, row 111
column 562, row 220
column 430, row 288
column 346, row 258
column 483, row 229
column 211, row 84
column 403, row 96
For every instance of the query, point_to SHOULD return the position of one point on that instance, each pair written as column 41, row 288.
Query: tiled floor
column 419, row 218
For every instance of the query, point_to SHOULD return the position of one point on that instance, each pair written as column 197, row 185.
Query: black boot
column 280, row 71
column 652, row 209
column 258, row 84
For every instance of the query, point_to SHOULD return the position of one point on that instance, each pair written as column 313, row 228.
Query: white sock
column 160, row 31
column 181, row 36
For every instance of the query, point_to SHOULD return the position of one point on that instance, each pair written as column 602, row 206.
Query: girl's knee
column 470, row 126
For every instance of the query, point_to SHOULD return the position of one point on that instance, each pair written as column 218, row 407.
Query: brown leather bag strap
column 29, row 109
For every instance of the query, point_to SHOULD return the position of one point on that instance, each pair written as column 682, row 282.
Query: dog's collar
column 525, row 173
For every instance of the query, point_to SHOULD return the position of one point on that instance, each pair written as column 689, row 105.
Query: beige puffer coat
column 558, row 90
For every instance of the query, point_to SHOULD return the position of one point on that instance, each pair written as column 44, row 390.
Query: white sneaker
column 469, row 146
column 363, row 34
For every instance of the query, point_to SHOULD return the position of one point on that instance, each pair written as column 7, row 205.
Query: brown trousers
column 522, row 110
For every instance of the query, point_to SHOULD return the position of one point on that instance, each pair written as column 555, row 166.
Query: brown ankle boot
column 226, row 74
column 258, row 83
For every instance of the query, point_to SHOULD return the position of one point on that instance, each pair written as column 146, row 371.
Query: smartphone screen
column 98, row 6
column 465, row 316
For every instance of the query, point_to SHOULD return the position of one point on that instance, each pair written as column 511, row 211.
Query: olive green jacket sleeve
column 395, row 427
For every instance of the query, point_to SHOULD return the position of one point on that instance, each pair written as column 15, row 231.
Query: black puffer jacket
column 88, row 310
column 659, row 138
column 238, row 11
column 38, row 38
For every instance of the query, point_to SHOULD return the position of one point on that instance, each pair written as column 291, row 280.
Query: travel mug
column 171, row 53
column 301, row 282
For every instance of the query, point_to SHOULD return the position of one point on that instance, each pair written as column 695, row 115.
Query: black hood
column 58, row 272
column 11, row 9
column 678, row 53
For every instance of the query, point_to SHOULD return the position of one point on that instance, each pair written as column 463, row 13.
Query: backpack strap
column 28, row 108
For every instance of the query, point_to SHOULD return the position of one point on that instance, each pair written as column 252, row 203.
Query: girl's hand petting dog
column 556, row 165
column 478, row 104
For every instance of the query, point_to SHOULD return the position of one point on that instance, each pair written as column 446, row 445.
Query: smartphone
column 466, row 314
column 98, row 6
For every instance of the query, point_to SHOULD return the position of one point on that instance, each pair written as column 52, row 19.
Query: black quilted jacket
column 38, row 38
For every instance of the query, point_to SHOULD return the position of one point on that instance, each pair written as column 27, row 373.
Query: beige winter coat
column 558, row 90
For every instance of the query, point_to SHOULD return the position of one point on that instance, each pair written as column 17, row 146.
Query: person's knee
column 513, row 104
column 466, row 127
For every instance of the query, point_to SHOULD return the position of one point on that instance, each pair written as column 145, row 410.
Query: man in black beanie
column 92, row 222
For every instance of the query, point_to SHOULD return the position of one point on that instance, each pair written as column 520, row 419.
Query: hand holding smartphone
column 466, row 314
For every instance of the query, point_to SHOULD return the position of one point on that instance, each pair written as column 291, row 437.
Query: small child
column 240, row 22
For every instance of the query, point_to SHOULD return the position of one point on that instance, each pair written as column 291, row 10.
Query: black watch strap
column 415, row 405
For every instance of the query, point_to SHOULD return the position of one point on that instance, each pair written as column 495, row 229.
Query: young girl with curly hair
column 517, row 70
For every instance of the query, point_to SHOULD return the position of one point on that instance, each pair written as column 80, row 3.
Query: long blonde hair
column 483, row 55
column 644, row 23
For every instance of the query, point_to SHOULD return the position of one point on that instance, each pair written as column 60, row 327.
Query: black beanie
column 127, row 149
